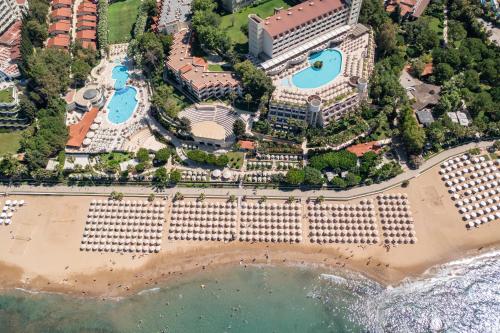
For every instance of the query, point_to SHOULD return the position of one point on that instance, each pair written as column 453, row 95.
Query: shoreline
column 161, row 277
column 40, row 250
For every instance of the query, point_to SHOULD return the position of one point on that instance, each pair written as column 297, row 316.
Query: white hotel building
column 282, row 43
column 10, row 11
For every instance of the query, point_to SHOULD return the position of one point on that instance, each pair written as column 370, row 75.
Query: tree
column 387, row 41
column 471, row 80
column 161, row 176
column 10, row 167
column 239, row 128
column 295, row 176
column 248, row 100
column 413, row 135
column 443, row 72
column 185, row 124
column 290, row 199
column 178, row 196
column 352, row 179
column 313, row 176
column 151, row 197
column 116, row 196
column 140, row 167
column 456, row 31
column 175, row 176
column 232, row 96
column 232, row 198
column 368, row 162
column 262, row 199
column 102, row 25
column 37, row 32
column 163, row 101
column 255, row 82
column 142, row 155
column 201, row 197
column 162, row 156
column 80, row 70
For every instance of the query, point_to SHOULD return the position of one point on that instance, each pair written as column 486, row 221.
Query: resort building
column 59, row 41
column 319, row 96
column 211, row 124
column 62, row 4
column 408, row 8
column 192, row 73
column 60, row 27
column 61, row 14
column 286, row 29
column 10, row 12
column 10, row 52
column 91, row 96
column 174, row 15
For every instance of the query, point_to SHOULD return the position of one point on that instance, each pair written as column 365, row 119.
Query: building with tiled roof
column 287, row 28
column 60, row 27
column 87, row 18
column 86, row 35
column 87, row 8
column 78, row 132
column 62, row 4
column 86, row 25
column 408, row 8
column 173, row 16
column 61, row 14
column 10, row 12
column 192, row 72
column 9, row 51
column 59, row 41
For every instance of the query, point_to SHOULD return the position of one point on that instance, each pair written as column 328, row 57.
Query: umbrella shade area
column 128, row 226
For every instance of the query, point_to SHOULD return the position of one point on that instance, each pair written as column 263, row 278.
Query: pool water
column 124, row 100
column 122, row 105
column 312, row 77
column 120, row 75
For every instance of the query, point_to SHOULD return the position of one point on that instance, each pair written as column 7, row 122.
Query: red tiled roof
column 89, row 45
column 77, row 132
column 12, row 35
column 62, row 25
column 428, row 68
column 61, row 12
column 89, row 18
column 288, row 19
column 86, row 24
column 59, row 41
column 62, row 2
column 86, row 34
column 363, row 148
column 248, row 145
column 87, row 7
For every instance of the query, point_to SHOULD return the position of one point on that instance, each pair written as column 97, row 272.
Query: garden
column 121, row 19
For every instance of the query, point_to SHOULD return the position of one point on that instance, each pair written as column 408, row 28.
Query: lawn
column 9, row 142
column 435, row 25
column 233, row 22
column 235, row 159
column 121, row 19
column 215, row 68
column 6, row 95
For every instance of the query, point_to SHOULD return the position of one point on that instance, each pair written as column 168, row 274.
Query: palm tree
column 248, row 99
column 232, row 198
column 290, row 199
column 232, row 97
column 201, row 197
column 178, row 196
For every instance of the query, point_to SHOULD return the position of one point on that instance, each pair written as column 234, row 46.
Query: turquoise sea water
column 311, row 77
column 463, row 296
column 124, row 101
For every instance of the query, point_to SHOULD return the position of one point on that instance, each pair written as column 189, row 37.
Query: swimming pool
column 313, row 77
column 120, row 75
column 124, row 100
column 122, row 105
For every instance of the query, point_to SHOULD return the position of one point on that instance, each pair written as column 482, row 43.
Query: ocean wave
column 459, row 296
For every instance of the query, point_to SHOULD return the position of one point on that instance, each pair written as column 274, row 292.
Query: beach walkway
column 357, row 192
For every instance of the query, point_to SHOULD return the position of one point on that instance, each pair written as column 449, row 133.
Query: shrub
column 140, row 167
column 175, row 176
column 318, row 64
column 142, row 155
column 162, row 155
column 295, row 176
column 102, row 25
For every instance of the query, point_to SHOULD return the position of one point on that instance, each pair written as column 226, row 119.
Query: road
column 249, row 192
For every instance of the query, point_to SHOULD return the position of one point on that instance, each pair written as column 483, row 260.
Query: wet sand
column 40, row 250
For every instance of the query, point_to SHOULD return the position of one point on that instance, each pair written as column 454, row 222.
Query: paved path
column 250, row 192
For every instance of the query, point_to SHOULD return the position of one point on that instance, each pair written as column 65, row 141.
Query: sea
column 460, row 296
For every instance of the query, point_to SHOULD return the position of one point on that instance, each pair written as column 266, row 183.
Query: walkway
column 250, row 192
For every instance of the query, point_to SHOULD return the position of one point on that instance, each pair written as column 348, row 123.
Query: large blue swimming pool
column 124, row 99
column 313, row 78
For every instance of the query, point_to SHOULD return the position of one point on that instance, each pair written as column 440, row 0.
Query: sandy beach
column 40, row 249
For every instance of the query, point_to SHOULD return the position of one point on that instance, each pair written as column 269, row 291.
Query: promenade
column 246, row 191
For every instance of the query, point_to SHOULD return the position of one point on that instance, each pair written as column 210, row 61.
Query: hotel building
column 9, row 13
column 281, row 45
column 288, row 28
column 192, row 73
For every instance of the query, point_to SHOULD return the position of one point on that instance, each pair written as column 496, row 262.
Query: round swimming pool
column 122, row 105
column 316, row 77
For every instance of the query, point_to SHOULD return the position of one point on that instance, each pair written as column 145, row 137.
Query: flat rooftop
column 300, row 14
